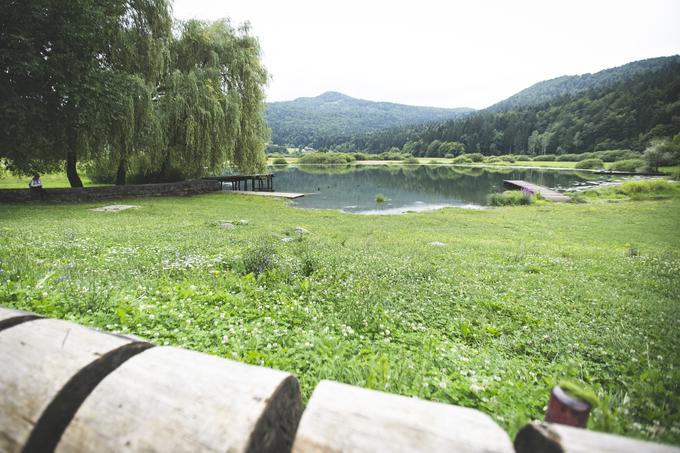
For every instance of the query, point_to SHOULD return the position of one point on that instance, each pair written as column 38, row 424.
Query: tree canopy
column 108, row 83
column 212, row 102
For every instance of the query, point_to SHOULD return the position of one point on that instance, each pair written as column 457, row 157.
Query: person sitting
column 36, row 186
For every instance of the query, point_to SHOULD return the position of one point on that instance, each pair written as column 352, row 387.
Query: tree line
column 624, row 115
column 121, row 89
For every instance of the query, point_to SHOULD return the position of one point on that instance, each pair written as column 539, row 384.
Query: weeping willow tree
column 129, row 130
column 126, row 123
column 77, row 80
column 109, row 84
column 210, row 105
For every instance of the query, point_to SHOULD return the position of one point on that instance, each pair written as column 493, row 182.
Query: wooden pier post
column 566, row 410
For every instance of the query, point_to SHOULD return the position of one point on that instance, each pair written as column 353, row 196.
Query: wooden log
column 41, row 361
column 541, row 437
column 7, row 313
column 10, row 317
column 169, row 399
column 342, row 418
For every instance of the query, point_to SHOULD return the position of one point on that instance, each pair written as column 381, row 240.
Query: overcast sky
column 442, row 53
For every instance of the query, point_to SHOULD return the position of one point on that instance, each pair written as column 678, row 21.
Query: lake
column 410, row 188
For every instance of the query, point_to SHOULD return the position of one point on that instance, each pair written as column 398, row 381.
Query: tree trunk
column 165, row 169
column 71, row 171
column 122, row 171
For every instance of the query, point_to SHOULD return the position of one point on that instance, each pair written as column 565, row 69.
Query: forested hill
column 550, row 90
column 320, row 121
column 627, row 114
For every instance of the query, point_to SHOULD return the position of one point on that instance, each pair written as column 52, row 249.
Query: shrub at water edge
column 511, row 198
column 463, row 159
column 326, row 159
column 629, row 165
column 590, row 164
column 545, row 158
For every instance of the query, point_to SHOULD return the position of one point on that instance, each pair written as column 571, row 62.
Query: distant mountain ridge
column 550, row 90
column 619, row 108
column 319, row 121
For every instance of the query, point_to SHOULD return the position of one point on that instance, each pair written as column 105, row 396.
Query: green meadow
column 481, row 308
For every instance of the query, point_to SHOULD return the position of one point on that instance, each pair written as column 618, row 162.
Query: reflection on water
column 409, row 188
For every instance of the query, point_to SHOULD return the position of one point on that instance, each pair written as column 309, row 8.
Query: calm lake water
column 409, row 188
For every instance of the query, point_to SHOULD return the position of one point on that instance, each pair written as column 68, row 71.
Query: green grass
column 51, row 181
column 535, row 163
column 636, row 190
column 517, row 300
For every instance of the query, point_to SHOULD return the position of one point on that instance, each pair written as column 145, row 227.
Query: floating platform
column 286, row 195
column 548, row 194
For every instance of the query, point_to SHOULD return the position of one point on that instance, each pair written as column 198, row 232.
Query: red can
column 565, row 409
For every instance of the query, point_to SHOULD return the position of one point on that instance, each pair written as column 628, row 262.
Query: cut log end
column 537, row 437
column 275, row 430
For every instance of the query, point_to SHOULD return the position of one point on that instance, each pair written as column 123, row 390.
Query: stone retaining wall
column 67, row 195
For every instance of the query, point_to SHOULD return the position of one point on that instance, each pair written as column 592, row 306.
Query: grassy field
column 51, row 181
column 481, row 308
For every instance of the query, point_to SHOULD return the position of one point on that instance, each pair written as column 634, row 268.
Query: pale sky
column 452, row 53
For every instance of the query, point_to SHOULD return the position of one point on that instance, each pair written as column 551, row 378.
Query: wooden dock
column 286, row 195
column 264, row 182
column 262, row 185
column 548, row 194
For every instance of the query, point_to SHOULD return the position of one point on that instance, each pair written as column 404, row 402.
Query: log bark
column 7, row 313
column 169, row 399
column 541, row 437
column 342, row 418
column 10, row 317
